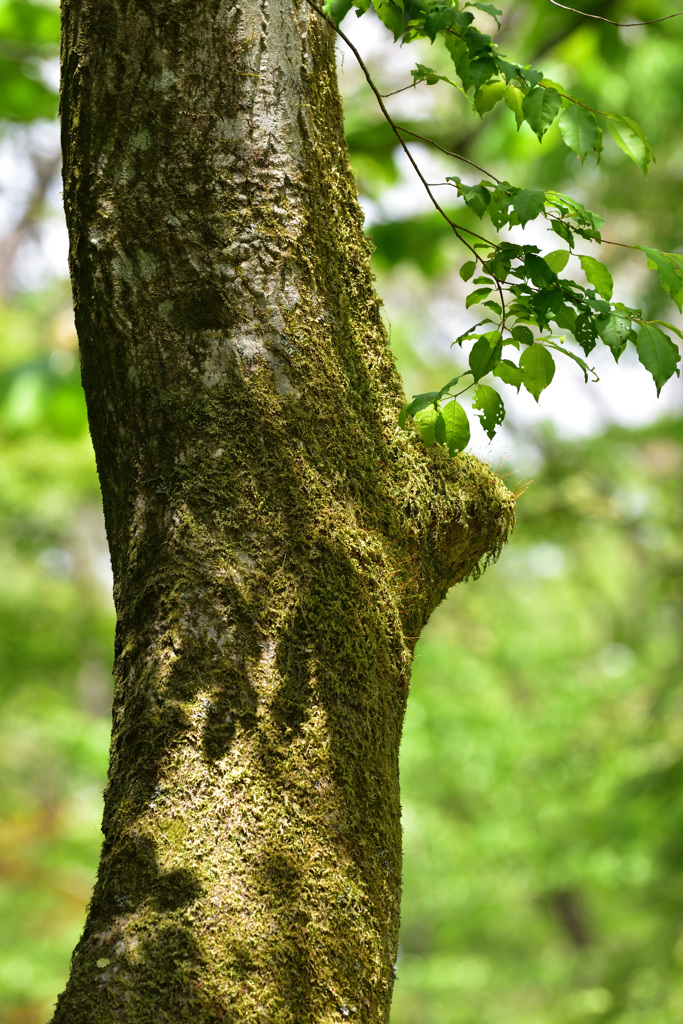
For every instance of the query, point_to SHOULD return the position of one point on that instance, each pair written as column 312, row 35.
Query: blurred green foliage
column 29, row 37
column 542, row 767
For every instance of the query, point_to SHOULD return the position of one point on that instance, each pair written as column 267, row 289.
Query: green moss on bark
column 277, row 541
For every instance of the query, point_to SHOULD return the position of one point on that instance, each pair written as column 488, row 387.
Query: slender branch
column 448, row 152
column 619, row 24
column 385, row 95
column 456, row 228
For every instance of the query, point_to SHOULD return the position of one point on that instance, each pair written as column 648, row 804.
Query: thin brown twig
column 618, row 24
column 448, row 152
column 456, row 228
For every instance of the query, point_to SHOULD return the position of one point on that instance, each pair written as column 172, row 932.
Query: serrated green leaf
column 485, row 354
column 425, row 420
column 390, row 13
column 477, row 198
column 580, row 131
column 669, row 266
column 557, row 260
column 486, row 98
column 541, row 107
column 658, row 354
column 476, row 296
column 563, row 230
column 513, row 98
column 631, row 139
column 452, row 427
column 614, row 330
column 509, row 373
column 467, row 269
column 490, row 408
column 538, row 367
column 577, row 359
column 669, row 327
column 417, row 403
column 488, row 9
column 598, row 275
column 538, row 271
column 527, row 204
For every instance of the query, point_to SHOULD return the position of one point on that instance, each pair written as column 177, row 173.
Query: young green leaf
column 631, row 139
column 489, row 9
column 577, row 359
column 490, row 408
column 527, row 204
column 669, row 266
column 509, row 373
column 452, row 426
column 418, row 403
column 541, row 107
column 485, row 354
column 487, row 97
column 538, row 271
column 580, row 131
column 538, row 367
column 598, row 275
column 557, row 260
column 513, row 100
column 391, row 15
column 426, row 420
column 477, row 198
column 476, row 296
column 614, row 329
column 658, row 354
column 467, row 269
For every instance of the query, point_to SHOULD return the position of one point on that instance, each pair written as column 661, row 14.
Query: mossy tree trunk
column 277, row 542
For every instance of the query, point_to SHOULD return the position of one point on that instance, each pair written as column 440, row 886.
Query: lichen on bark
column 277, row 541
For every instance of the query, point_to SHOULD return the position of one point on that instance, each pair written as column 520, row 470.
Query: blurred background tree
column 542, row 765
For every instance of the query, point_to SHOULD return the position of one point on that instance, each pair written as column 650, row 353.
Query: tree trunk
column 277, row 542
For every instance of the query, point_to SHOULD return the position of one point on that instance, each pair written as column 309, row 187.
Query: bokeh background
column 542, row 765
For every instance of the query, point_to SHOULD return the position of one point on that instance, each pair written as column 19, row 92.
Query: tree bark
column 277, row 542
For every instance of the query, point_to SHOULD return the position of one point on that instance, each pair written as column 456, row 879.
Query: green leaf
column 527, row 204
column 598, row 275
column 426, row 420
column 630, row 138
column 452, row 426
column 557, row 260
column 658, row 354
column 509, row 373
column 577, row 359
column 485, row 354
column 614, row 330
column 418, row 403
column 579, row 130
column 490, row 407
column 538, row 271
column 467, row 269
column 391, row 15
column 476, row 296
column 487, row 97
column 488, row 9
column 670, row 269
column 539, row 369
column 513, row 100
column 337, row 9
column 541, row 107
column 522, row 334
column 477, row 198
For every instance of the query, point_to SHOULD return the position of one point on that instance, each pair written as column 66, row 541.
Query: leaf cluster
column 529, row 306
